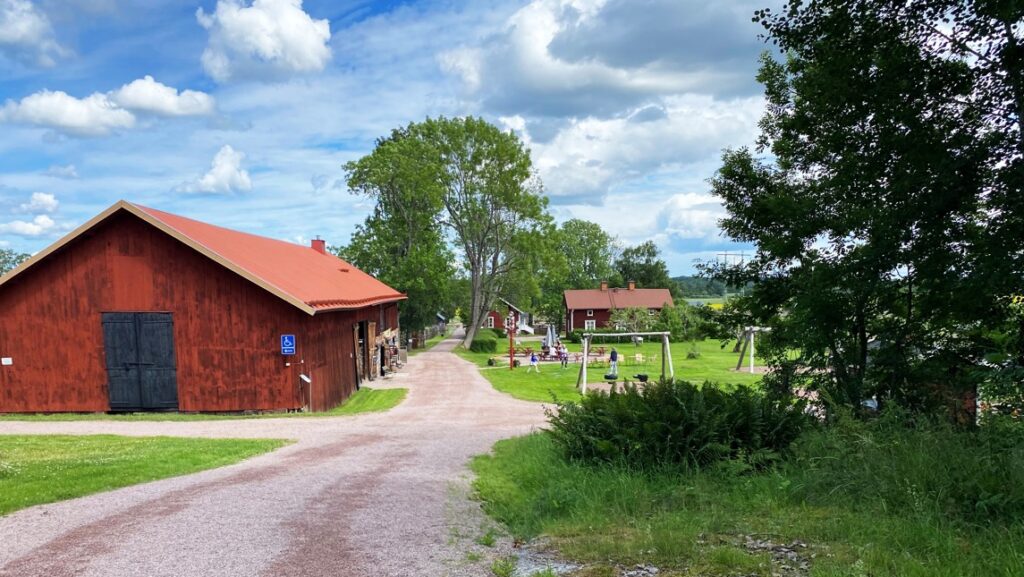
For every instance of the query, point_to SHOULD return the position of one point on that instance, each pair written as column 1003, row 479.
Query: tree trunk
column 475, row 316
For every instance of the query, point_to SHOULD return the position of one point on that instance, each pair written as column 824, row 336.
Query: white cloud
column 94, row 115
column 100, row 114
column 58, row 171
column 591, row 155
column 40, row 202
column 148, row 95
column 226, row 174
column 40, row 225
column 270, row 38
column 691, row 216
column 26, row 34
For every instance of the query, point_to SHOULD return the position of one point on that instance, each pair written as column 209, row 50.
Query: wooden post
column 743, row 349
column 583, row 369
column 668, row 355
column 751, row 351
column 665, row 355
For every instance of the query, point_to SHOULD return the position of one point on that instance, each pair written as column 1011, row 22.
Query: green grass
column 715, row 364
column 695, row 523
column 37, row 469
column 365, row 400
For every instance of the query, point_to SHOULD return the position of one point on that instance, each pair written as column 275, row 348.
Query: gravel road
column 371, row 495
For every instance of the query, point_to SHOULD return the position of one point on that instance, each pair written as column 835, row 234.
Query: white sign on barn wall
column 6, row 361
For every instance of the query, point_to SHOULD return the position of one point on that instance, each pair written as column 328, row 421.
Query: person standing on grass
column 534, row 363
column 563, row 355
column 614, row 362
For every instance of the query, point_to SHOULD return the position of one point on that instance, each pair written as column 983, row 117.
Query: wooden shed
column 139, row 309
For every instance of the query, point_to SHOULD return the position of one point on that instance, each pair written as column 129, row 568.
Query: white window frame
column 589, row 325
column 489, row 323
column 651, row 312
column 590, row 312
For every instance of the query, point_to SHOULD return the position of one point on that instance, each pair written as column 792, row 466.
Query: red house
column 588, row 309
column 139, row 309
column 495, row 319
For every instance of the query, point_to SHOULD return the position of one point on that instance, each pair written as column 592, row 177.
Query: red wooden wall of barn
column 226, row 329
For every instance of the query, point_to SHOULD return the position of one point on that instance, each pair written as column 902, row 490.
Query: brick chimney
column 604, row 285
column 318, row 244
column 632, row 285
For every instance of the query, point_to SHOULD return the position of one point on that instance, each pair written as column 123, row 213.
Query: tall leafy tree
column 578, row 255
column 9, row 260
column 642, row 263
column 476, row 184
column 402, row 242
column 889, row 214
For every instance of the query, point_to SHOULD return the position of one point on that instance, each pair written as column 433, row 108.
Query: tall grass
column 696, row 522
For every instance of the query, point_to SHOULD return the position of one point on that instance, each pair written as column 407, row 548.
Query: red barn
column 139, row 309
column 588, row 309
column 495, row 319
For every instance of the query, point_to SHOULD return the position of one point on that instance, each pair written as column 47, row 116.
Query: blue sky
column 241, row 113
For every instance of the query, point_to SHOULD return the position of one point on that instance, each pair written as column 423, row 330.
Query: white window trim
column 590, row 312
column 590, row 325
column 490, row 322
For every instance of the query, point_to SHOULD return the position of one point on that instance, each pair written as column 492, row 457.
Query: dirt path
column 371, row 495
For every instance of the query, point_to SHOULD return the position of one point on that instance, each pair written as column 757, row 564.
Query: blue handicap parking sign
column 287, row 344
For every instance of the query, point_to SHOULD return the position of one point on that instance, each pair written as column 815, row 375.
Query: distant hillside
column 696, row 287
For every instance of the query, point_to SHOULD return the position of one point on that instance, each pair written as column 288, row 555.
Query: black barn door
column 140, row 361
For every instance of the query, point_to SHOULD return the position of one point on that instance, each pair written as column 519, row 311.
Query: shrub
column 484, row 345
column 675, row 423
column 903, row 463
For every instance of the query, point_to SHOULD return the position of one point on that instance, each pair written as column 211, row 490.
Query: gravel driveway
column 370, row 495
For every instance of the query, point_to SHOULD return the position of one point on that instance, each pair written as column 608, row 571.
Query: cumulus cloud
column 691, row 216
column 94, row 115
column 61, row 171
column 148, row 95
column 26, row 34
column 40, row 202
column 38, row 226
column 268, row 39
column 100, row 114
column 595, row 58
column 226, row 175
column 588, row 157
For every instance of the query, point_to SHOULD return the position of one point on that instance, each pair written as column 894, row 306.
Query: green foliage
column 484, row 345
column 643, row 264
column 633, row 320
column 47, row 468
column 10, row 259
column 579, row 256
column 401, row 242
column 918, row 466
column 695, row 523
column 888, row 214
column 676, row 424
column 465, row 180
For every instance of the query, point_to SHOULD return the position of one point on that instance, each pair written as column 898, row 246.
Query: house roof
column 302, row 276
column 617, row 298
column 510, row 305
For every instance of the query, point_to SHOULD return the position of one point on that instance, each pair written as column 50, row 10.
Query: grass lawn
column 697, row 524
column 715, row 364
column 365, row 400
column 36, row 469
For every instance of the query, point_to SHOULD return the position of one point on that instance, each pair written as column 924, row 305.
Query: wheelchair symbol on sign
column 287, row 344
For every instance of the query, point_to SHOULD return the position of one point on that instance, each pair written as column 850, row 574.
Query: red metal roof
column 617, row 298
column 321, row 281
column 300, row 275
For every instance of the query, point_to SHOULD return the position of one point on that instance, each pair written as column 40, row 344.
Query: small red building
column 588, row 309
column 495, row 319
column 139, row 309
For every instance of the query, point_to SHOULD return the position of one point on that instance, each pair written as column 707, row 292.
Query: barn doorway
column 141, row 369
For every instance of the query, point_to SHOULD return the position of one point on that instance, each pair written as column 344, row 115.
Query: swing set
column 667, row 371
